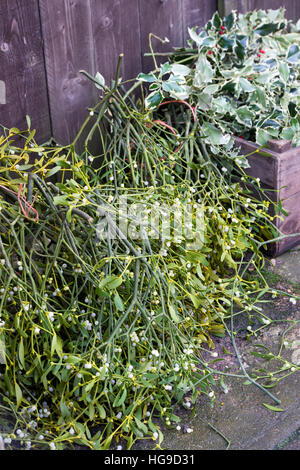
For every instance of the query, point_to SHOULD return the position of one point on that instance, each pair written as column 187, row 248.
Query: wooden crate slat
column 289, row 173
column 290, row 224
column 279, row 174
column 276, row 168
column 22, row 68
column 263, row 167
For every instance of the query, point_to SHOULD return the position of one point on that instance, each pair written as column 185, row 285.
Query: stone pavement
column 239, row 420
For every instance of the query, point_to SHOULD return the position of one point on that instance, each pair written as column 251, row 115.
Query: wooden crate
column 278, row 167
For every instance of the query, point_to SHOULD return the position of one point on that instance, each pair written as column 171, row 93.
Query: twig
column 220, row 434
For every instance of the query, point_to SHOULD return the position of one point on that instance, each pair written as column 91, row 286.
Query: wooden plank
column 290, row 224
column 279, row 172
column 289, row 169
column 197, row 13
column 263, row 167
column 226, row 6
column 22, row 68
column 292, row 6
column 164, row 19
column 69, row 47
column 116, row 31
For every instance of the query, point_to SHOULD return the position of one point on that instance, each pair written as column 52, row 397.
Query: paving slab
column 287, row 266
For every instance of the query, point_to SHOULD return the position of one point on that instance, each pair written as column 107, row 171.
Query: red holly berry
column 259, row 55
column 221, row 32
column 223, row 27
column 209, row 52
column 262, row 51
